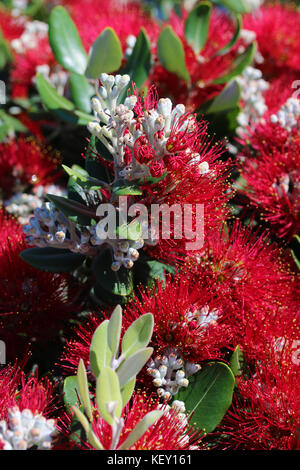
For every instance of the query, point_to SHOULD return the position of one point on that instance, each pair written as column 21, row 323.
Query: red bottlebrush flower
column 171, row 432
column 126, row 19
column 250, row 276
column 11, row 27
column 34, row 304
column 25, row 162
column 26, row 64
column 25, row 403
column 273, row 181
column 266, row 411
column 26, row 392
column 277, row 29
column 78, row 347
column 187, row 318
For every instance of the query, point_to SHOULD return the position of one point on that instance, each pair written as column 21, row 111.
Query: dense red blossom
column 252, row 279
column 273, row 177
column 11, row 27
column 266, row 411
column 26, row 162
column 277, row 29
column 125, row 18
column 26, row 392
column 34, row 304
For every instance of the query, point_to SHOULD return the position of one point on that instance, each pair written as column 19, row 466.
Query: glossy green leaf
column 59, row 105
column 114, row 330
column 143, row 425
column 234, row 38
column 139, row 62
column 208, row 395
column 197, row 25
column 105, row 54
column 11, row 123
column 108, row 392
column 227, row 99
column 82, row 177
column 138, row 335
column 55, row 260
column 127, row 391
column 133, row 365
column 84, row 389
column 126, row 188
column 118, row 283
column 236, row 361
column 237, row 6
column 69, row 390
column 65, row 41
column 171, row 53
column 239, row 64
column 100, row 352
column 81, row 92
column 93, row 440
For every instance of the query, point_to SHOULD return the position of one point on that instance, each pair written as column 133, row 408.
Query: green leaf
column 53, row 101
column 12, row 123
column 70, row 207
column 105, row 54
column 237, row 6
column 81, row 92
column 197, row 25
column 55, row 260
column 142, row 426
column 138, row 335
column 133, row 365
column 234, row 38
column 227, row 99
column 81, row 175
column 236, row 361
column 139, row 62
column 118, row 283
column 108, row 391
column 65, row 41
column 84, row 389
column 148, row 271
column 209, row 395
column 127, row 391
column 114, row 330
column 297, row 261
column 126, row 188
column 171, row 53
column 69, row 390
column 131, row 231
column 100, row 352
column 81, row 418
column 239, row 64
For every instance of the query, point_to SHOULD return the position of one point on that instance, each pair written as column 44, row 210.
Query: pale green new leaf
column 108, row 392
column 100, row 353
column 138, row 335
column 114, row 330
column 132, row 366
column 84, row 389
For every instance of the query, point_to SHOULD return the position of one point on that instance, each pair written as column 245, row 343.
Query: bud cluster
column 287, row 116
column 25, row 430
column 253, row 87
column 170, row 373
